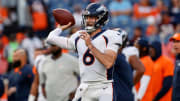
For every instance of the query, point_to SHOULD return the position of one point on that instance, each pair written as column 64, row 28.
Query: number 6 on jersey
column 88, row 58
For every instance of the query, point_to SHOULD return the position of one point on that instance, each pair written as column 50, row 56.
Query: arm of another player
column 34, row 88
column 144, row 85
column 60, row 41
column 138, row 66
column 107, row 58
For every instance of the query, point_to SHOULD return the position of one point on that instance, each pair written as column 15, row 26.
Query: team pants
column 94, row 92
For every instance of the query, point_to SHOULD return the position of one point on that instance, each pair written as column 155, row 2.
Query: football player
column 97, row 49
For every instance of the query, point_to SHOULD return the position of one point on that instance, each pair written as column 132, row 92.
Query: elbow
column 49, row 39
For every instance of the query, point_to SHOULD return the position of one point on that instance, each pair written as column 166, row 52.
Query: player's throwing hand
column 64, row 27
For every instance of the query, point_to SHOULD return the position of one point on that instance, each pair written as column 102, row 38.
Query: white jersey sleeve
column 63, row 42
column 130, row 51
column 115, row 40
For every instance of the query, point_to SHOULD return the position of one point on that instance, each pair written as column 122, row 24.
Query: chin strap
column 90, row 29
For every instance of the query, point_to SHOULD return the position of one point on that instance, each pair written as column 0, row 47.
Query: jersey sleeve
column 130, row 51
column 73, row 39
column 61, row 41
column 115, row 41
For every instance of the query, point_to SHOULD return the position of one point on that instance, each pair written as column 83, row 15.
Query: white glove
column 31, row 97
column 80, row 91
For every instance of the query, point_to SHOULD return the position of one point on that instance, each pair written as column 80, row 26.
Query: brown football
column 63, row 16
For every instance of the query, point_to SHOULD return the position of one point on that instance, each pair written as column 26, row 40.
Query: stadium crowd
column 26, row 23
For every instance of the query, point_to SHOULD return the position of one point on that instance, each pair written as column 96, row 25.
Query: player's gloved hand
column 86, row 37
column 64, row 27
column 80, row 91
column 31, row 97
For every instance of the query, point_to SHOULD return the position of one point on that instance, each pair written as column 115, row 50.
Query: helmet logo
column 101, row 8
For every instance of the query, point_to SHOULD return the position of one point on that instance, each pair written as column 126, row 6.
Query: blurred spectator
column 155, row 35
column 166, row 28
column 176, row 83
column 160, row 6
column 20, row 36
column 167, row 50
column 162, row 73
column 137, row 34
column 30, row 43
column 77, row 14
column 36, row 89
column 144, row 87
column 3, row 16
column 5, row 84
column 39, row 17
column 3, row 62
column 21, row 77
column 152, row 29
column 175, row 11
column 9, row 3
column 120, row 12
column 9, row 49
column 24, row 15
column 58, row 75
column 143, row 9
column 83, row 3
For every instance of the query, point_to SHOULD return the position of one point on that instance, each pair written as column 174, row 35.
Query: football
column 63, row 16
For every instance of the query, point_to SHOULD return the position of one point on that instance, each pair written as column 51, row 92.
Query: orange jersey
column 163, row 67
column 148, row 64
column 139, row 11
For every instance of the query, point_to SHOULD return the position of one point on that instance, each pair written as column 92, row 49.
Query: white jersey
column 90, row 68
column 130, row 51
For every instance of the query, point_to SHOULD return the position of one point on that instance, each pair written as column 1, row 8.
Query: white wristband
column 31, row 97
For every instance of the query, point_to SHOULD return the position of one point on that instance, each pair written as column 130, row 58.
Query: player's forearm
column 106, row 59
column 60, row 41
column 137, row 77
column 35, row 85
column 43, row 90
column 138, row 66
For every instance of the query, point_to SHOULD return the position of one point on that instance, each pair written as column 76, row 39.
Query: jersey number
column 88, row 58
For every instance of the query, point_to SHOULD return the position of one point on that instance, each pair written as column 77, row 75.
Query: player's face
column 90, row 20
column 176, row 46
column 55, row 50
